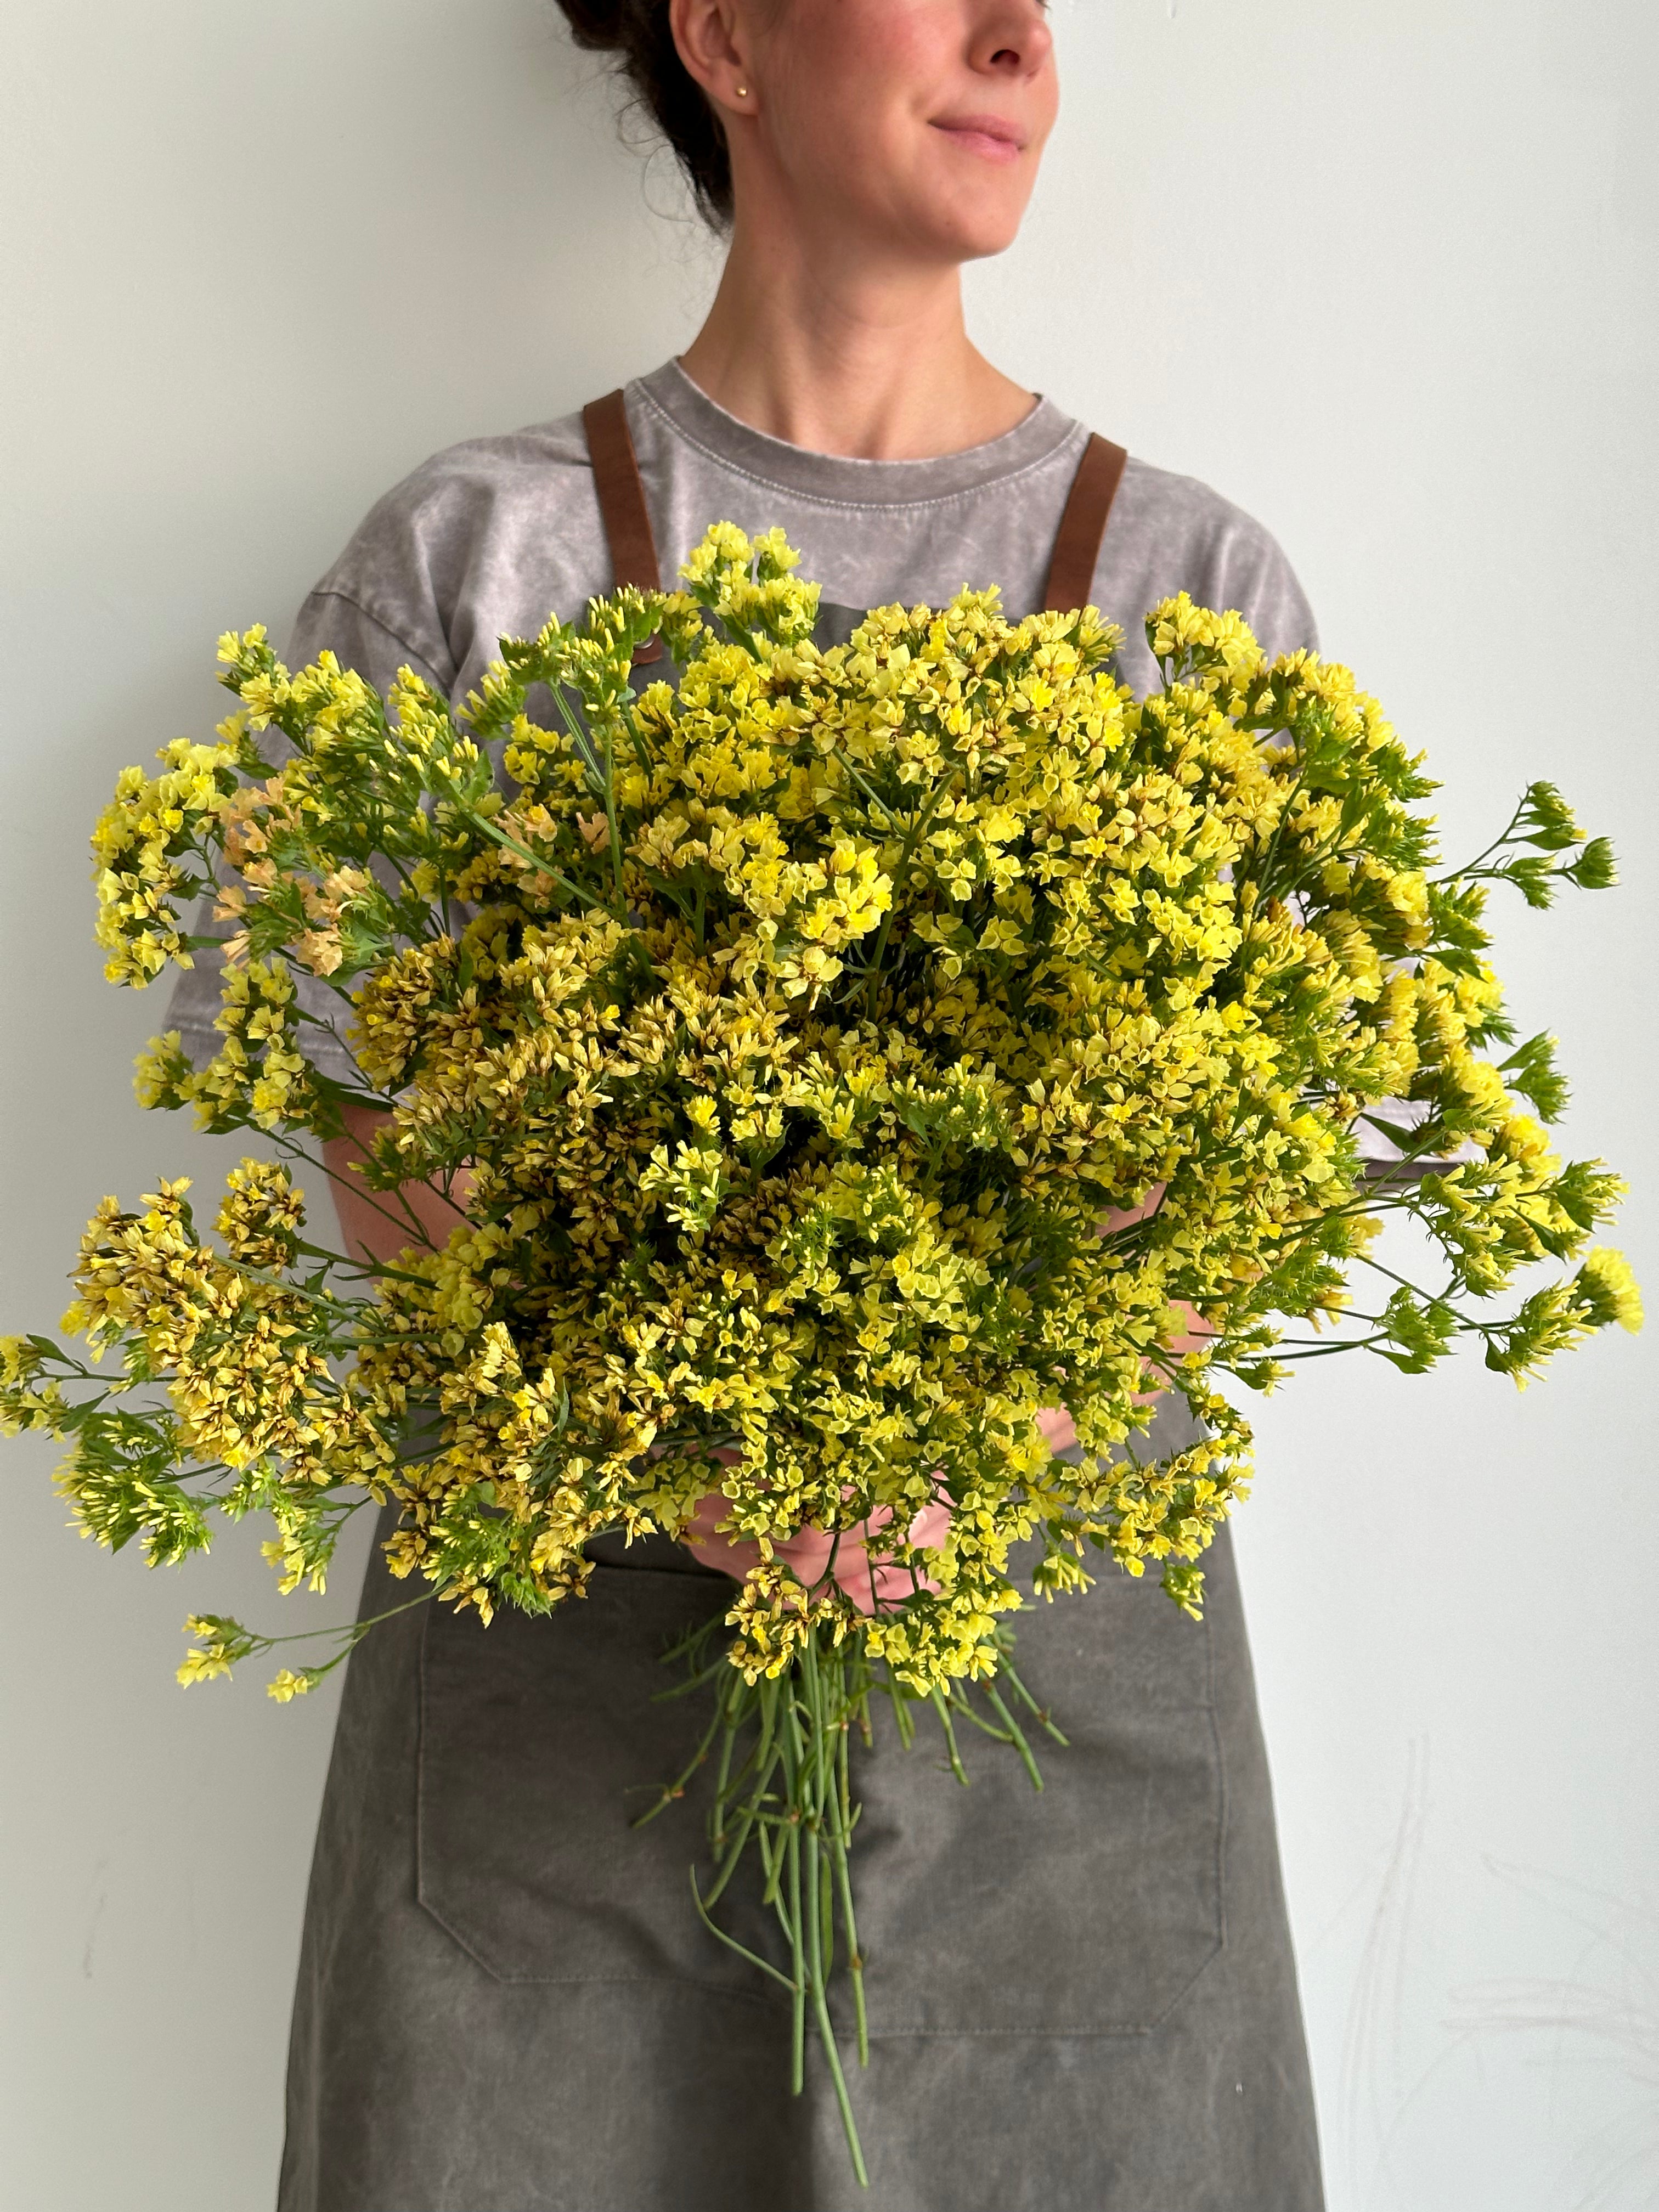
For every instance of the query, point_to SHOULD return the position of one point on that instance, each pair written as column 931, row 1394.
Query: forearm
column 383, row 1223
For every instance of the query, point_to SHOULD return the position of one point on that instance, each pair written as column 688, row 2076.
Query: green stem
column 962, row 1703
column 1040, row 1713
column 798, row 2009
column 730, row 1941
column 723, row 1779
column 677, row 1788
column 841, row 1832
column 827, row 2034
column 944, row 1712
column 901, row 1720
column 1016, row 1735
column 610, row 818
column 294, row 1150
column 539, row 861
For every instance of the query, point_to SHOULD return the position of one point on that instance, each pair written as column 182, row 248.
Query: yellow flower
column 1607, row 1290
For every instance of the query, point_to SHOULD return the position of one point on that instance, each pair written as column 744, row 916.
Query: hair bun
column 598, row 25
column 639, row 33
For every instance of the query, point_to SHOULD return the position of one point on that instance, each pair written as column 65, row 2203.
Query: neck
column 841, row 353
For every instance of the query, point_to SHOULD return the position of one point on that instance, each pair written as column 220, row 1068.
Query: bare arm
column 377, row 1221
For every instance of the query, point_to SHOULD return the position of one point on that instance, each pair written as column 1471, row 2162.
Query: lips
column 991, row 137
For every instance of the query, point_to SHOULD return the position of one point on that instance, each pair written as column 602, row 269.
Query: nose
column 1011, row 38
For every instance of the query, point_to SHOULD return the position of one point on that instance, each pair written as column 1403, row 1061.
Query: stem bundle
column 783, row 1792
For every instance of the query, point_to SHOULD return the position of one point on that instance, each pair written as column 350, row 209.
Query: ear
column 712, row 45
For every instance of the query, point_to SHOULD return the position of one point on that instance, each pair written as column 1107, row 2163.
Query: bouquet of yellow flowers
column 834, row 1059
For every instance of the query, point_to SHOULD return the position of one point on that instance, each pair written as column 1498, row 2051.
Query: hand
column 1058, row 1429
column 869, row 1577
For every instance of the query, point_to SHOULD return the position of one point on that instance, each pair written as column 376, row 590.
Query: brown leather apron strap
column 634, row 549
column 1082, row 526
column 622, row 503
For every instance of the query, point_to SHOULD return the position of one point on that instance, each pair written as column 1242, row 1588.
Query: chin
column 976, row 234
column 975, row 217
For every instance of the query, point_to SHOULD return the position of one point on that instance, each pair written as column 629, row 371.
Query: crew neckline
column 843, row 479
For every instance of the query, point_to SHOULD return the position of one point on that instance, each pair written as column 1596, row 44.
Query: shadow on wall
column 1598, row 2022
column 1576, row 2052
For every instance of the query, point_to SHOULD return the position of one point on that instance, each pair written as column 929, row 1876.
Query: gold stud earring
column 742, row 92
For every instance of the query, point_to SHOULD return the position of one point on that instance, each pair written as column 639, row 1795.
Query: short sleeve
column 1259, row 580
column 1171, row 533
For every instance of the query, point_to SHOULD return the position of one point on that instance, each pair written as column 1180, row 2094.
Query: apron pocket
column 541, row 1740
column 1087, row 1909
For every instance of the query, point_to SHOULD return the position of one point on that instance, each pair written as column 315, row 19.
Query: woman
column 505, row 2000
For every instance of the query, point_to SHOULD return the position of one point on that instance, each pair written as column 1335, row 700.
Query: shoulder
column 1171, row 533
column 469, row 539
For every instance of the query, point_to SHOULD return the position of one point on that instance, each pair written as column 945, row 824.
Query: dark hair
column 637, row 32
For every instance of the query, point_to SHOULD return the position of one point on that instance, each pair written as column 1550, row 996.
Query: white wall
column 1383, row 271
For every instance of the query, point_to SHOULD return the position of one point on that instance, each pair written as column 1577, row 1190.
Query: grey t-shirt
column 484, row 540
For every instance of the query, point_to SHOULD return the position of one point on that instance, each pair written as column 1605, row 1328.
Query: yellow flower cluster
column 800, row 1023
column 141, row 846
column 245, row 1351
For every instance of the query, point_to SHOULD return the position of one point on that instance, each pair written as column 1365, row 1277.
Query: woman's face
column 914, row 127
